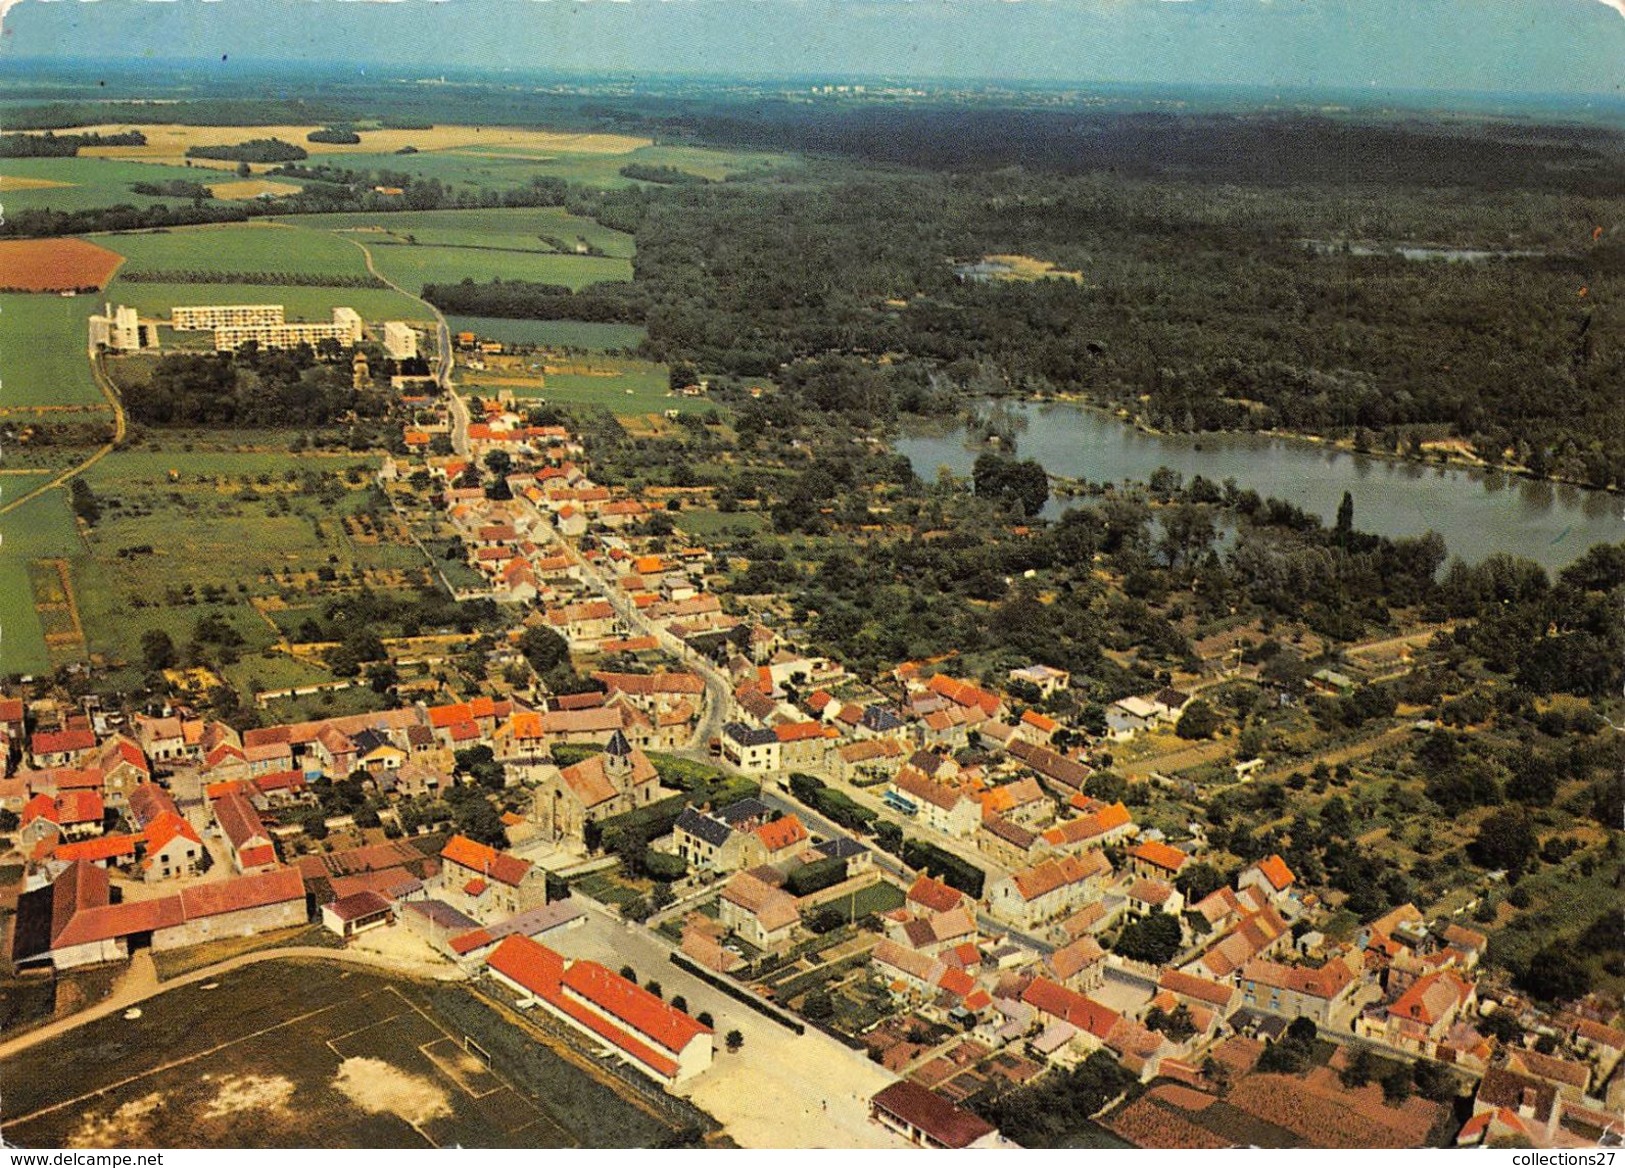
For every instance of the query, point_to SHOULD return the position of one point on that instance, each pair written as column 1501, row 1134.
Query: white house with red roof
column 655, row 1037
column 1271, row 876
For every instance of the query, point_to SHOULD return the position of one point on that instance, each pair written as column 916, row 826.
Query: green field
column 705, row 523
column 504, row 167
column 309, row 1054
column 515, row 229
column 412, row 266
column 195, row 526
column 96, row 182
column 374, row 304
column 46, row 342
column 41, row 528
column 237, row 247
column 558, row 334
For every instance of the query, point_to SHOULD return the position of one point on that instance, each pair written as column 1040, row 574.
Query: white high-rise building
column 400, row 340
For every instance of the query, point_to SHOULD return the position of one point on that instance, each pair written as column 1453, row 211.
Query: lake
column 1477, row 512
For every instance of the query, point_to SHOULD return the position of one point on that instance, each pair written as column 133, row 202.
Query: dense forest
column 254, row 387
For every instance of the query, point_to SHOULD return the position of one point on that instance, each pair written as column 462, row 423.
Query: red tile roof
column 1277, row 873
column 487, row 861
column 923, row 1109
column 1071, row 1007
column 935, row 895
column 665, row 1025
column 61, row 742
column 1160, row 855
column 107, row 847
column 782, row 833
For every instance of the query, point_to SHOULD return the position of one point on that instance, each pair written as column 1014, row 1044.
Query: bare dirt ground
column 376, row 1086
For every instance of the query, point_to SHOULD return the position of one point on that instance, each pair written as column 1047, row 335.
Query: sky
column 1498, row 46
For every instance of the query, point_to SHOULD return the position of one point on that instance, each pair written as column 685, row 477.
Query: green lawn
column 412, row 266
column 516, row 229
column 558, row 334
column 47, row 342
column 706, row 523
column 237, row 247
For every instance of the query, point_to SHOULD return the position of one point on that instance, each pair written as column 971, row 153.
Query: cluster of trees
column 253, row 150
column 1023, row 485
column 1054, row 1109
column 53, row 145
column 608, row 303
column 175, row 188
column 269, row 279
column 334, row 136
column 273, row 387
column 663, row 175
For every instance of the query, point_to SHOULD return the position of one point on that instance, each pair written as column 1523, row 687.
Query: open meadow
column 46, row 351
column 169, row 551
column 80, row 184
column 502, row 229
column 41, row 529
column 625, row 386
column 236, row 247
column 307, row 1054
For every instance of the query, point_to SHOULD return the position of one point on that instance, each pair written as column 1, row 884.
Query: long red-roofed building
column 660, row 1040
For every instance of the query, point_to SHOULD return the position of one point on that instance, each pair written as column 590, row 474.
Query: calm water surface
column 1477, row 512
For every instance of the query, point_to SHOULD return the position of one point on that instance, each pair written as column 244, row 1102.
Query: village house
column 1104, row 824
column 760, row 913
column 950, row 810
column 1043, row 678
column 710, row 843
column 1271, row 876
column 805, row 746
column 1157, row 860
column 1324, row 995
column 61, row 748
column 1422, row 1015
column 246, row 838
column 484, row 883
column 1045, row 891
column 753, row 749
column 871, row 759
column 123, row 767
column 923, row 1117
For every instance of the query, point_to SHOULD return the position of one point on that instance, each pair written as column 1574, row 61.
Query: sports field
column 624, row 386
column 558, row 334
column 47, row 341
column 307, row 1054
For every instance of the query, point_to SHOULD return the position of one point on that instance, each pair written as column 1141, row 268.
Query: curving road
column 443, row 361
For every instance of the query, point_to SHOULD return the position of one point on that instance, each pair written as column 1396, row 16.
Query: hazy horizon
column 1571, row 48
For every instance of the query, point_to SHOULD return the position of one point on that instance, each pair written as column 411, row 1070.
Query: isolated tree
column 1198, row 721
column 735, row 1040
column 704, row 1019
column 157, row 650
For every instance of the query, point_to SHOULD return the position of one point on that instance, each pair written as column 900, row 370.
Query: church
column 618, row 780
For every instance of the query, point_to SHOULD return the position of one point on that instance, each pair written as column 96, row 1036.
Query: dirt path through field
column 104, row 384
